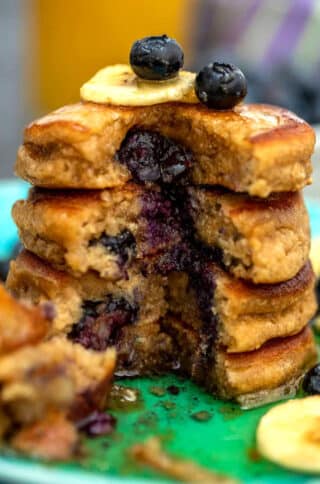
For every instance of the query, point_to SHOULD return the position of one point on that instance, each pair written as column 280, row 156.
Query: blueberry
column 102, row 321
column 151, row 157
column 220, row 86
column 156, row 58
column 311, row 381
column 176, row 259
column 123, row 245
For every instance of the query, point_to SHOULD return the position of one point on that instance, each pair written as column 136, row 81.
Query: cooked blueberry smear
column 152, row 157
column 97, row 424
column 156, row 58
column 124, row 244
column 177, row 258
column 311, row 381
column 318, row 295
column 162, row 229
column 202, row 282
column 102, row 321
column 220, row 86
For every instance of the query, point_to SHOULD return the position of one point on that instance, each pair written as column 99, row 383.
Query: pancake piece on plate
column 47, row 384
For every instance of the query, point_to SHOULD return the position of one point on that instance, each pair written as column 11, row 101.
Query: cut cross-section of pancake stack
column 177, row 234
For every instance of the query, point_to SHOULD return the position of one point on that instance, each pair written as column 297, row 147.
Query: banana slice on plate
column 289, row 434
column 119, row 85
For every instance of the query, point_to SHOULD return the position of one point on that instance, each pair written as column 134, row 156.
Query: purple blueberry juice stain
column 102, row 321
column 97, row 424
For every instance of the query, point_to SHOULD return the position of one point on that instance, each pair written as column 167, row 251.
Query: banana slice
column 119, row 85
column 289, row 434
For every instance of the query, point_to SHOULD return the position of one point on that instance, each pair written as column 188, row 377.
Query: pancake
column 22, row 324
column 216, row 324
column 263, row 240
column 53, row 437
column 46, row 392
column 251, row 378
column 31, row 377
column 110, row 230
column 240, row 315
column 142, row 297
column 105, row 231
column 254, row 148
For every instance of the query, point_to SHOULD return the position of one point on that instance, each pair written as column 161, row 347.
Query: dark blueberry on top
column 123, row 244
column 156, row 58
column 311, row 381
column 220, row 86
column 102, row 321
column 151, row 157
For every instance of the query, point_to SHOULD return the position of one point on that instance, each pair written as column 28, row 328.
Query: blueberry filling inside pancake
column 123, row 245
column 102, row 321
column 160, row 221
column 152, row 157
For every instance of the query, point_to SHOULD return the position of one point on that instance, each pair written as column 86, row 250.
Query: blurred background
column 48, row 48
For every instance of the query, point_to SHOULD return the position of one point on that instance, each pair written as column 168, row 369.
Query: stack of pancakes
column 206, row 273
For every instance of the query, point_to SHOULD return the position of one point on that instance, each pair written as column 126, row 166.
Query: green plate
column 224, row 443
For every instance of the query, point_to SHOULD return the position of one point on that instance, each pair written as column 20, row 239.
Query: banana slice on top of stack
column 119, row 85
column 289, row 434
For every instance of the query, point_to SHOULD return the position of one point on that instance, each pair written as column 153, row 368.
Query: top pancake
column 254, row 148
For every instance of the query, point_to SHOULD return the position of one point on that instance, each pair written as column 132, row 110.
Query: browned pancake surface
column 263, row 240
column 254, row 148
column 247, row 315
column 20, row 323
